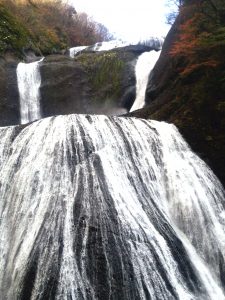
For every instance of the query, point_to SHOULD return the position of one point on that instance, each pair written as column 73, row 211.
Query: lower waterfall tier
column 97, row 208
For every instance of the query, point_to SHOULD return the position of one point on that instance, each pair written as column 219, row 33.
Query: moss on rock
column 105, row 73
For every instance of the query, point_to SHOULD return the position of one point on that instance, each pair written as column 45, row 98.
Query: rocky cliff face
column 102, row 82
column 9, row 98
column 194, row 103
column 92, row 82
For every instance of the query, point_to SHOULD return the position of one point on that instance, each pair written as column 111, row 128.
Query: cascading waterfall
column 75, row 50
column 105, row 46
column 144, row 65
column 101, row 46
column 155, row 43
column 29, row 81
column 96, row 207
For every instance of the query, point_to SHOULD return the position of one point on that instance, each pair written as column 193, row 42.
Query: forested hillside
column 46, row 26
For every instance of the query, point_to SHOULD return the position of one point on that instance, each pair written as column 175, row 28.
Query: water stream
column 29, row 81
column 144, row 65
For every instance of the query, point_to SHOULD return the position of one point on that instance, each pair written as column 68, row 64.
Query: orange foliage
column 189, row 40
column 196, row 66
column 193, row 44
column 54, row 24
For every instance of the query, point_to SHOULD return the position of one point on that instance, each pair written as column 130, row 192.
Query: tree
column 54, row 24
column 175, row 6
column 201, row 38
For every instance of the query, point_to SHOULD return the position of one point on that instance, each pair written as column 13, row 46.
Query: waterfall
column 144, row 65
column 106, row 46
column 75, row 50
column 101, row 46
column 153, row 42
column 96, row 207
column 29, row 81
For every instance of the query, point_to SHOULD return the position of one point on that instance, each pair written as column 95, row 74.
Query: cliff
column 101, row 82
column 93, row 82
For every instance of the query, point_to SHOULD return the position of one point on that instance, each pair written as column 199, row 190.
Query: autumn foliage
column 52, row 24
column 201, row 36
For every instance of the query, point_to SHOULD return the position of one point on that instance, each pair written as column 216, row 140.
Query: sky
column 128, row 19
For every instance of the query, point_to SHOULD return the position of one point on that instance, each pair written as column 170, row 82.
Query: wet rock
column 101, row 83
column 9, row 98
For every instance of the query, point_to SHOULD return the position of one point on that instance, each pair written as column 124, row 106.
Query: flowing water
column 144, row 65
column 75, row 50
column 101, row 46
column 29, row 81
column 96, row 207
column 155, row 43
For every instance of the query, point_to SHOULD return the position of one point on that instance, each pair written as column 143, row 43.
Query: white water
column 29, row 81
column 108, row 208
column 151, row 42
column 144, row 65
column 106, row 46
column 200, row 206
column 102, row 46
column 75, row 50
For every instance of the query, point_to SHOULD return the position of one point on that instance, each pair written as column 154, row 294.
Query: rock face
column 92, row 82
column 195, row 104
column 9, row 98
column 102, row 83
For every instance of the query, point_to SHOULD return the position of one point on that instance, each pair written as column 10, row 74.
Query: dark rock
column 9, row 98
column 30, row 56
column 61, row 82
column 102, row 83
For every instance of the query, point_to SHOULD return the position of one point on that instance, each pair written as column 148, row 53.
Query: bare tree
column 175, row 6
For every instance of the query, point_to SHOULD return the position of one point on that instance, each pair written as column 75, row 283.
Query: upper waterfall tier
column 96, row 207
column 144, row 65
column 152, row 43
column 29, row 81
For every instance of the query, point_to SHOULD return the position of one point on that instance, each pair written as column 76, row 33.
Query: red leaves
column 189, row 38
column 194, row 41
column 197, row 66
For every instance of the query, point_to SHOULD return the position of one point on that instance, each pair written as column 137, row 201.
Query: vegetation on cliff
column 201, row 37
column 13, row 35
column 105, row 73
column 46, row 26
column 200, row 87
